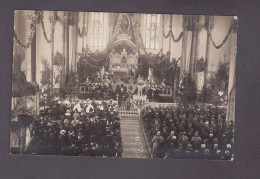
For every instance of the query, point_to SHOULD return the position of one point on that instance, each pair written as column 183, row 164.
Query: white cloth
column 78, row 107
column 88, row 108
column 111, row 109
column 101, row 107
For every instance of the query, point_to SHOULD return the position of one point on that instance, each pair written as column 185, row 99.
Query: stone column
column 209, row 26
column 194, row 46
column 43, row 48
column 33, row 59
column 23, row 20
column 52, row 49
column 73, row 41
column 65, row 45
column 162, row 30
column 186, row 45
column 175, row 86
column 170, row 38
column 58, row 39
column 52, row 62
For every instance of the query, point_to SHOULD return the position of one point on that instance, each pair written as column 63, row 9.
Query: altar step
column 127, row 117
column 128, row 114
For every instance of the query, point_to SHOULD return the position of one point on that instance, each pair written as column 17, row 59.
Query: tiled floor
column 132, row 135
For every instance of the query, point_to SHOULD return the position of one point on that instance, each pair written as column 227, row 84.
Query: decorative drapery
column 170, row 33
column 209, row 30
column 53, row 23
column 28, row 42
column 37, row 18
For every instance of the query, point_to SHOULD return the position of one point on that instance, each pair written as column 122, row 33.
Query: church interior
column 125, row 85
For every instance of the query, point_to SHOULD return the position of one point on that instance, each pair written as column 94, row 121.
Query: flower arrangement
column 24, row 106
column 58, row 58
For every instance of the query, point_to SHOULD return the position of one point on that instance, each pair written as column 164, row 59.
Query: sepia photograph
column 123, row 85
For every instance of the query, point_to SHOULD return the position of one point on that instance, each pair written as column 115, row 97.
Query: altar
column 123, row 57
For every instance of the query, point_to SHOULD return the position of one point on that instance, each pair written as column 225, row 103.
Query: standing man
column 157, row 140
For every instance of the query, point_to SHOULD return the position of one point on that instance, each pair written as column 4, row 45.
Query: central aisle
column 132, row 135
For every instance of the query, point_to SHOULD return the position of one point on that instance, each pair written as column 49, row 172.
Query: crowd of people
column 188, row 132
column 92, row 128
column 86, row 128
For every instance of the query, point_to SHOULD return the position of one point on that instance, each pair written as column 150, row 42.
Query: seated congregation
column 188, row 132
column 86, row 129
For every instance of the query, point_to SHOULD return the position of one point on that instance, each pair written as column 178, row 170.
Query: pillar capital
column 53, row 17
column 196, row 22
column 191, row 22
column 71, row 18
column 209, row 24
column 29, row 16
column 187, row 23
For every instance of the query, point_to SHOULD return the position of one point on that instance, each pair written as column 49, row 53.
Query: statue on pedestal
column 150, row 76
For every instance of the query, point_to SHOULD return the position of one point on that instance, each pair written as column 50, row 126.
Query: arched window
column 97, row 29
column 152, row 26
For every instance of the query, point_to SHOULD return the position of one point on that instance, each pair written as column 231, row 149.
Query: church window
column 152, row 26
column 97, row 29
